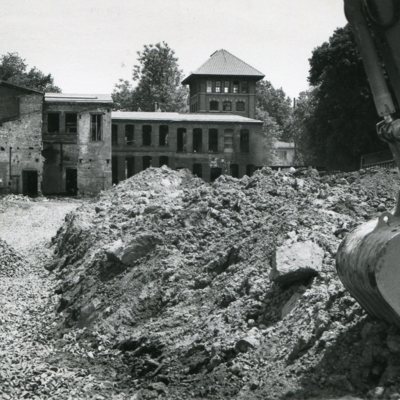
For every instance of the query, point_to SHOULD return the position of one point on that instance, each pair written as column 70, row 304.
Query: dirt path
column 37, row 362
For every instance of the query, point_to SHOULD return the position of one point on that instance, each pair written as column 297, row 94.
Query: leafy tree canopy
column 341, row 126
column 158, row 82
column 14, row 69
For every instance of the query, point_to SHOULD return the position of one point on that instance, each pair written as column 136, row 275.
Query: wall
column 20, row 138
column 186, row 159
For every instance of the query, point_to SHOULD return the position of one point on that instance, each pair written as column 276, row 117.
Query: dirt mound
column 192, row 283
column 11, row 262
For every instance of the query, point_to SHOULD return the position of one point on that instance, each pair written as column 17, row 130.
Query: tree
column 277, row 105
column 158, row 82
column 13, row 69
column 342, row 125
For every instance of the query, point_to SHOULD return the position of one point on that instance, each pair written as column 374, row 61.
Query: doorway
column 30, row 183
column 71, row 181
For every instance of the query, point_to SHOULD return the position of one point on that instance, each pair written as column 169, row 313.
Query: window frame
column 96, row 135
column 53, row 113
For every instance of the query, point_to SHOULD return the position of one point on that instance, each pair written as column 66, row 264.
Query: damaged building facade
column 219, row 135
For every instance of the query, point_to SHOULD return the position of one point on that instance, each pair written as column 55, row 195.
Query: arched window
column 214, row 105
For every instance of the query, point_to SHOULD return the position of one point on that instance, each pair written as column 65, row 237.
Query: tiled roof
column 77, row 98
column 224, row 63
column 180, row 117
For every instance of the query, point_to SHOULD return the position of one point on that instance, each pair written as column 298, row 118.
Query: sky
column 88, row 45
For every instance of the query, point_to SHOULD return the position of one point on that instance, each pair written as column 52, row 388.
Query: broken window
column 163, row 135
column 114, row 134
column 227, row 106
column 244, row 141
column 234, row 170
column 146, row 162
column 96, row 127
column 197, row 140
column 209, row 87
column 163, row 161
column 53, row 122
column 181, row 139
column 114, row 169
column 214, row 105
column 235, row 86
column 240, row 106
column 129, row 134
column 213, row 140
column 146, row 135
column 197, row 170
column 71, row 123
column 129, row 166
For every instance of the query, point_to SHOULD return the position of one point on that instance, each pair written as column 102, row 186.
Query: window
column 227, row 106
column 181, row 140
column 226, row 87
column 209, row 87
column 114, row 134
column 95, row 127
column 163, row 161
column 282, row 154
column 214, row 105
column 228, row 140
column 244, row 87
column 197, row 140
column 146, row 162
column 218, row 87
column 130, row 135
column 244, row 141
column 71, row 123
column 234, row 170
column 197, row 170
column 250, row 169
column 114, row 169
column 53, row 122
column 129, row 166
column 213, row 140
column 235, row 86
column 240, row 106
column 163, row 135
column 146, row 135
column 215, row 172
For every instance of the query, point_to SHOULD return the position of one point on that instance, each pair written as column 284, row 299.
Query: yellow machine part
column 368, row 264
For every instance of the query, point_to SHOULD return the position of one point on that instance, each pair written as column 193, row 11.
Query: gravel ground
column 38, row 361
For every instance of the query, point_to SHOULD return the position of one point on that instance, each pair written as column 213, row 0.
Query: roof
column 283, row 145
column 24, row 88
column 77, row 98
column 223, row 63
column 180, row 117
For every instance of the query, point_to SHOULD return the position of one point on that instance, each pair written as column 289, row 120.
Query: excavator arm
column 368, row 260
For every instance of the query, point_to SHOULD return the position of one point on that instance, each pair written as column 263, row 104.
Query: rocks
column 296, row 262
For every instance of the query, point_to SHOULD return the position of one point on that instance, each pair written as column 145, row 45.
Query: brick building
column 21, row 161
column 219, row 136
column 76, row 143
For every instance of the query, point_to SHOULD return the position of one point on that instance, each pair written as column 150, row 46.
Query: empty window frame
column 164, row 161
column 240, row 106
column 234, row 168
column 163, row 135
column 227, row 106
column 215, row 172
column 282, row 154
column 96, row 127
column 197, row 170
column 53, row 122
column 226, row 86
column 114, row 134
column 213, row 140
column 71, row 123
column 114, row 169
column 129, row 166
column 180, row 139
column 235, row 87
column 250, row 169
column 146, row 162
column 228, row 140
column 214, row 105
column 197, row 140
column 209, row 87
column 218, row 87
column 244, row 87
column 244, row 141
column 146, row 135
column 129, row 134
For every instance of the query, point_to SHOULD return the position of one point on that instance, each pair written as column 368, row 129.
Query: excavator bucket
column 368, row 264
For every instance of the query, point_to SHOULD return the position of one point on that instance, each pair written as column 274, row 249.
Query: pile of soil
column 11, row 262
column 179, row 274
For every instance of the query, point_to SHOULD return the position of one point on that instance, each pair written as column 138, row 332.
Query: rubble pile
column 229, row 290
column 11, row 262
